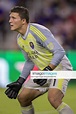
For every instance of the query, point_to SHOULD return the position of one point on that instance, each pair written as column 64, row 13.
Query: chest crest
column 27, row 44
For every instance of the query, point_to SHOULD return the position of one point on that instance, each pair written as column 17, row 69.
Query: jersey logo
column 31, row 45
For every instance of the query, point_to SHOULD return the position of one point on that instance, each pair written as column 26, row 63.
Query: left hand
column 41, row 82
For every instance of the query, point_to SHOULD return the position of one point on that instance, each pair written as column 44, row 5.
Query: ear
column 23, row 21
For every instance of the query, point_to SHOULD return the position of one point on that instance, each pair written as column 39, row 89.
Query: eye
column 13, row 17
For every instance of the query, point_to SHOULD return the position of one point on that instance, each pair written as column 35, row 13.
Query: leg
column 55, row 95
column 25, row 99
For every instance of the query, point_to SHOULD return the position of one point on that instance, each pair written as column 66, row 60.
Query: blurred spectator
column 58, row 15
column 72, row 2
column 5, row 6
column 47, row 13
column 73, row 16
column 2, row 26
column 70, row 35
column 64, row 9
column 21, row 2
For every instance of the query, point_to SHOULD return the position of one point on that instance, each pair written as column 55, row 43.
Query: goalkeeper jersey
column 39, row 47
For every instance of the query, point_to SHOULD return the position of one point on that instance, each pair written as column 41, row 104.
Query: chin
column 13, row 29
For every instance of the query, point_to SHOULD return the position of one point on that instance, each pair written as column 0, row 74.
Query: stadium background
column 60, row 17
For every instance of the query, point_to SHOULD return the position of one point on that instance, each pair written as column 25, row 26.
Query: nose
column 10, row 20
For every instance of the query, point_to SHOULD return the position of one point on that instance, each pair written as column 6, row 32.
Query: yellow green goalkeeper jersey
column 39, row 47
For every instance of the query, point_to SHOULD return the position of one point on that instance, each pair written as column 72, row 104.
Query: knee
column 20, row 98
column 23, row 100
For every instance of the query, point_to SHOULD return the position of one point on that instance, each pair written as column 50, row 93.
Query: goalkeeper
column 40, row 48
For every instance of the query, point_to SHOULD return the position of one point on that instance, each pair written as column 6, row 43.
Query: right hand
column 13, row 88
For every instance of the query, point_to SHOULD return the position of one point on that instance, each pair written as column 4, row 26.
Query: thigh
column 60, row 84
column 29, row 94
column 55, row 94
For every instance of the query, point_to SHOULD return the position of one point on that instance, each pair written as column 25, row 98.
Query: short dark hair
column 23, row 12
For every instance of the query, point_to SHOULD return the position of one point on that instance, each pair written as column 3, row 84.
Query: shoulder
column 38, row 26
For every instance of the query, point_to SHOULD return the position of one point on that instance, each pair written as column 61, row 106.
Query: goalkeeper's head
column 19, row 16
column 22, row 11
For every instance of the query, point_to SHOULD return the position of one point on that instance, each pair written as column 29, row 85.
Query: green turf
column 41, row 104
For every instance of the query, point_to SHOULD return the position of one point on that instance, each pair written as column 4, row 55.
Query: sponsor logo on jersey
column 31, row 45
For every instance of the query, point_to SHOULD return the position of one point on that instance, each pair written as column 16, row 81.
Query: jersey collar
column 24, row 36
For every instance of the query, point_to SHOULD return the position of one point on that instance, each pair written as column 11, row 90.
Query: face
column 15, row 21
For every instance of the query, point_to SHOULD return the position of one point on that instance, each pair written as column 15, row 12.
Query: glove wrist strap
column 48, row 68
column 21, row 80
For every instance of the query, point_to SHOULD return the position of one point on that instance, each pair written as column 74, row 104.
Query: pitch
column 41, row 104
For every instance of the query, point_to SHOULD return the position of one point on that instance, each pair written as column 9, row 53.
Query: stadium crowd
column 58, row 15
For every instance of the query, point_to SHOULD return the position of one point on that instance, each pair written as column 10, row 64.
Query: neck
column 23, row 29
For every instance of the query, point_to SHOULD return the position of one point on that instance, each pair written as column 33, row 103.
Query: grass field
column 41, row 104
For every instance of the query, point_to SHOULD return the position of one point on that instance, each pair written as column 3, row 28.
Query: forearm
column 28, row 66
column 57, row 58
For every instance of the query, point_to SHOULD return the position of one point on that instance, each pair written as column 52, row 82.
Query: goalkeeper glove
column 41, row 82
column 13, row 88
